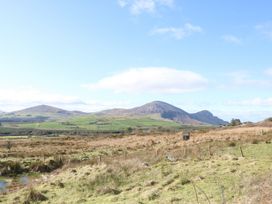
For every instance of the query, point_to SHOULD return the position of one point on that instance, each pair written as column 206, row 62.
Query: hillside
column 155, row 110
column 46, row 111
column 207, row 117
column 266, row 122
column 168, row 111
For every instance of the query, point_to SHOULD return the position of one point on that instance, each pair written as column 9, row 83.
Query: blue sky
column 94, row 55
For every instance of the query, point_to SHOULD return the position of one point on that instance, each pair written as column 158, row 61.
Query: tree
column 235, row 122
column 129, row 129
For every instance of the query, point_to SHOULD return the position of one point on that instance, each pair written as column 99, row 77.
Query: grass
column 137, row 169
column 104, row 183
column 13, row 137
column 99, row 123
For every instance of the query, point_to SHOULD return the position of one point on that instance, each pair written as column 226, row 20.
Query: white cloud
column 177, row 32
column 122, row 3
column 265, row 29
column 252, row 102
column 231, row 39
column 15, row 99
column 268, row 72
column 245, row 114
column 151, row 80
column 28, row 94
column 139, row 6
column 11, row 99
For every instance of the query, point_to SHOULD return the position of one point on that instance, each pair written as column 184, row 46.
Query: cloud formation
column 11, row 99
column 28, row 94
column 253, row 102
column 268, row 72
column 178, row 32
column 151, row 80
column 265, row 29
column 149, row 6
column 15, row 99
column 231, row 39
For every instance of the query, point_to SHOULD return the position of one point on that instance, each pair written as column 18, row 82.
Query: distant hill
column 266, row 123
column 207, row 117
column 156, row 109
column 46, row 111
column 168, row 111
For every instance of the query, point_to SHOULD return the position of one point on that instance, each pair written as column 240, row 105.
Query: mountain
column 157, row 109
column 167, row 111
column 46, row 111
column 207, row 117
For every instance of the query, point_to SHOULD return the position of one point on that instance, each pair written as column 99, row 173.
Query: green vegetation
column 225, row 177
column 214, row 166
column 87, row 125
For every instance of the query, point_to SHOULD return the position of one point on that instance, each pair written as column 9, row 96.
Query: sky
column 100, row 54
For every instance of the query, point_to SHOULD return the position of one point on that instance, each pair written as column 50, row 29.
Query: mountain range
column 158, row 109
column 168, row 111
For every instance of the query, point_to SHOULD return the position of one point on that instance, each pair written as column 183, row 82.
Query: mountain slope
column 168, row 111
column 207, row 117
column 156, row 109
column 45, row 110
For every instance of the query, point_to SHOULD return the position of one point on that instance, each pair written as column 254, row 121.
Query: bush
column 51, row 165
column 8, row 145
column 11, row 168
column 185, row 181
column 108, row 190
column 34, row 196
column 232, row 144
column 255, row 141
column 235, row 122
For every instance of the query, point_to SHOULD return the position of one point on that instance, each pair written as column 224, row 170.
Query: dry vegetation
column 227, row 165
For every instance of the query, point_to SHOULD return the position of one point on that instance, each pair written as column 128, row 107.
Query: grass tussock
column 34, row 196
column 11, row 168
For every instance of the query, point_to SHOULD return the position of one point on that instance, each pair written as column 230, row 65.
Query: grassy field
column 98, row 123
column 221, row 165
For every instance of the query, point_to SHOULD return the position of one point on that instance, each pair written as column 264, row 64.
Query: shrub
column 255, row 141
column 108, row 190
column 11, row 168
column 235, row 122
column 34, row 196
column 8, row 145
column 185, row 181
column 232, row 144
column 51, row 165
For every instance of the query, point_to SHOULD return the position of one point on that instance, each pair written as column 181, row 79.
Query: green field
column 96, row 123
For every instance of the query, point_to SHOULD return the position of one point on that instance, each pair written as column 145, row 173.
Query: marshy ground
column 224, row 165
